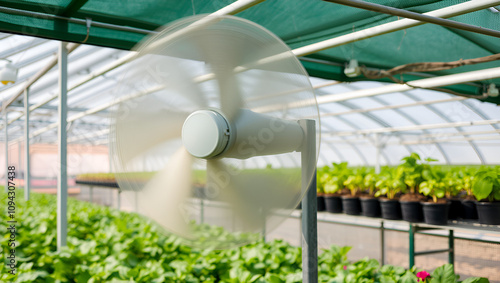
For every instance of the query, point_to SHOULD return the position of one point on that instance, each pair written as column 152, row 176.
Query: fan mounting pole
column 309, row 204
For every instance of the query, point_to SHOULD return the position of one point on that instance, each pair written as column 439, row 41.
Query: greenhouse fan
column 197, row 114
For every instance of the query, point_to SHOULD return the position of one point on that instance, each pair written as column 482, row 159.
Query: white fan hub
column 205, row 133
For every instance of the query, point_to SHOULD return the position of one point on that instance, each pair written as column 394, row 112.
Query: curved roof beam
column 373, row 117
column 358, row 152
column 412, row 120
column 459, row 129
column 369, row 116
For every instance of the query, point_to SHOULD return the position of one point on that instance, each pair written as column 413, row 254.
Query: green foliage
column 389, row 184
column 106, row 245
column 331, row 179
column 487, row 185
column 444, row 274
column 413, row 175
column 355, row 182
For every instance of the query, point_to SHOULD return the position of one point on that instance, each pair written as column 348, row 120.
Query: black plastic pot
column 436, row 213
column 321, row 203
column 351, row 205
column 333, row 204
column 455, row 209
column 391, row 209
column 488, row 212
column 412, row 211
column 468, row 210
column 370, row 207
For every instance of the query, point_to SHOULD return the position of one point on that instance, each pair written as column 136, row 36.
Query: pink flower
column 345, row 267
column 422, row 276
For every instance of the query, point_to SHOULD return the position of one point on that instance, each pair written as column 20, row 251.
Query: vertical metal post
column 382, row 243
column 119, row 201
column 6, row 150
column 26, row 145
column 62, row 178
column 309, row 205
column 451, row 246
column 91, row 194
column 411, row 248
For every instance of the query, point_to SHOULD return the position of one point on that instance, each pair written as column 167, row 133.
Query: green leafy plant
column 106, row 245
column 487, row 185
column 389, row 185
column 465, row 179
column 434, row 185
column 370, row 183
column 452, row 184
column 410, row 171
column 432, row 188
column 332, row 178
column 355, row 182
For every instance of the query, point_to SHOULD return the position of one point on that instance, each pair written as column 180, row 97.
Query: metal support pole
column 6, row 151
column 416, row 16
column 451, row 246
column 26, row 145
column 91, row 194
column 119, row 199
column 62, row 178
column 382, row 243
column 411, row 248
column 309, row 205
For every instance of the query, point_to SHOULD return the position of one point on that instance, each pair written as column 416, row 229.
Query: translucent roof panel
column 452, row 129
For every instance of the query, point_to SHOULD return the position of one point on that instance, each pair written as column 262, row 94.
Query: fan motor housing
column 205, row 133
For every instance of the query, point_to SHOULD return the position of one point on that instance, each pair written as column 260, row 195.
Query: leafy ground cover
column 106, row 245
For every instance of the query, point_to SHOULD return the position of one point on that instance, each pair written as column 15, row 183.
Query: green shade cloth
column 297, row 22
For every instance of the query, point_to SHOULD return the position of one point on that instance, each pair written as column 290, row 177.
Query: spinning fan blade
column 164, row 198
column 220, row 77
column 254, row 196
column 144, row 126
column 223, row 52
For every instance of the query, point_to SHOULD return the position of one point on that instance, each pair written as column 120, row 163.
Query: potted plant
column 388, row 189
column 453, row 186
column 413, row 172
column 468, row 202
column 350, row 201
column 320, row 193
column 486, row 189
column 436, row 210
column 333, row 186
column 370, row 206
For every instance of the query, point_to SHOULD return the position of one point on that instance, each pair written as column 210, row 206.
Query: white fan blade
column 254, row 195
column 164, row 196
column 146, row 124
column 223, row 52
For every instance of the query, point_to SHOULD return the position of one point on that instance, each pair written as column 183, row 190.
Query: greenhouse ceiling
column 121, row 24
column 360, row 116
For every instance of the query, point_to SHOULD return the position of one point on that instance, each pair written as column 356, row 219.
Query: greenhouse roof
column 358, row 116
column 121, row 24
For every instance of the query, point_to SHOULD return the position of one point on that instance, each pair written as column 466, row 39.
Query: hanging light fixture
column 8, row 73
